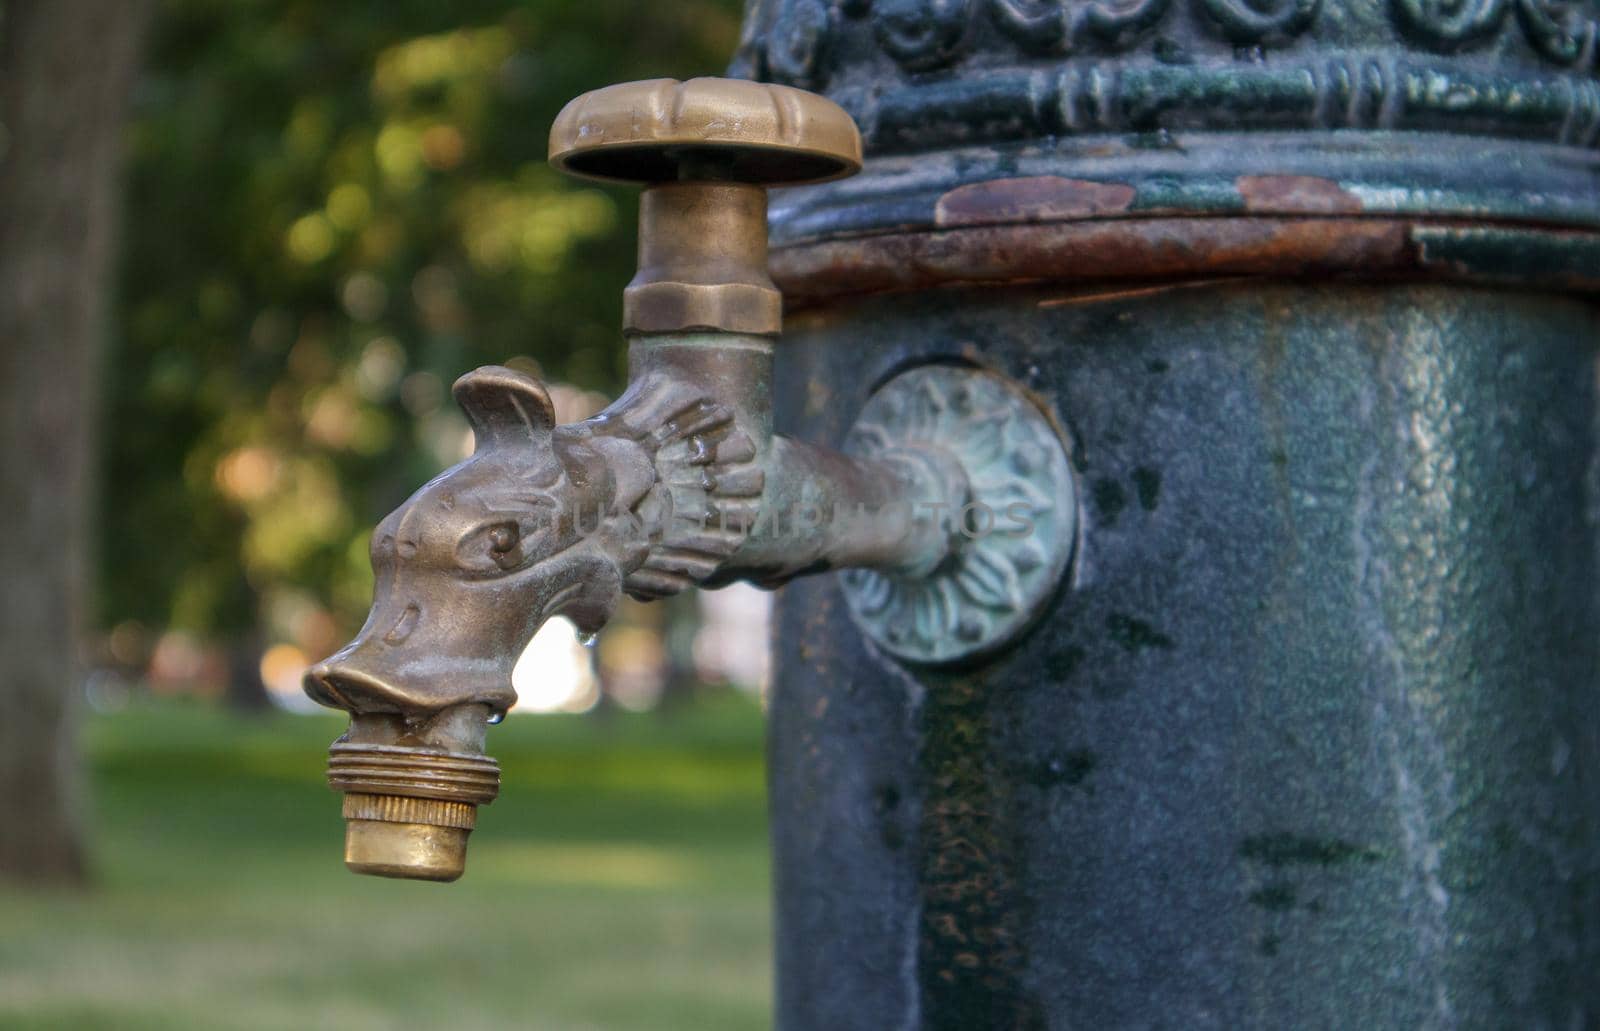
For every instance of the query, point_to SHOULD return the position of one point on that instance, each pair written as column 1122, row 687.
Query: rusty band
column 413, row 773
column 1101, row 253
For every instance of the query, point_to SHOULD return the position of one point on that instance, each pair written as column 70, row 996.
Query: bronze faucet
column 681, row 481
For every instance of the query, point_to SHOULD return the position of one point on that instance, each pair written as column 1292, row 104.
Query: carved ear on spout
column 505, row 407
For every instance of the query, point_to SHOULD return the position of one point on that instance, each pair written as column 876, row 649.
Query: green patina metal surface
column 1306, row 741
column 1307, row 737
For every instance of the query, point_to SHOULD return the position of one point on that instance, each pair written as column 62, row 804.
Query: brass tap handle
column 705, row 151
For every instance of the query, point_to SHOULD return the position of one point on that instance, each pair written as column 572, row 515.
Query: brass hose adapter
column 412, row 791
column 681, row 481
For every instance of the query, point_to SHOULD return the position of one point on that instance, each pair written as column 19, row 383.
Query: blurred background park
column 319, row 214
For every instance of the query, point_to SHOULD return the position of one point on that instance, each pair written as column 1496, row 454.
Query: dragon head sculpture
column 542, row 520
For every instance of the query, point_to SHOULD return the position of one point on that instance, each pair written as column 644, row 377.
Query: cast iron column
column 1308, row 737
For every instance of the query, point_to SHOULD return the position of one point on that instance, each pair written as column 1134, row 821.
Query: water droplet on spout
column 496, row 717
column 588, row 640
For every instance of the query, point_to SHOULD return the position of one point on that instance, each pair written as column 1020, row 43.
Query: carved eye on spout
column 501, row 546
column 503, row 538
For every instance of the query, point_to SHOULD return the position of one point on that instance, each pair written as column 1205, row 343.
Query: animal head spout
column 471, row 565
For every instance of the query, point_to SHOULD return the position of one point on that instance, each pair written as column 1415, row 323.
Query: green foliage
column 333, row 210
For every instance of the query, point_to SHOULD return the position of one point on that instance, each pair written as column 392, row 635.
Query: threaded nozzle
column 408, row 811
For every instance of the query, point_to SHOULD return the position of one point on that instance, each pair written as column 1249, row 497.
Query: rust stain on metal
column 1295, row 195
column 1030, row 199
column 1094, row 251
column 1141, row 252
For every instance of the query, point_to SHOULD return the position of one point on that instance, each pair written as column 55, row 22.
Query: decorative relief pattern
column 1014, row 537
column 1562, row 32
column 1260, row 21
column 1060, row 26
column 1223, row 64
column 795, row 45
column 788, row 36
column 921, row 34
column 1452, row 24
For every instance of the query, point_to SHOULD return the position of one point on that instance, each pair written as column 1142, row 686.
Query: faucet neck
column 702, row 262
column 733, row 369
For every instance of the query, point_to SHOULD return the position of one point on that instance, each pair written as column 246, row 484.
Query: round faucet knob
column 706, row 150
column 663, row 130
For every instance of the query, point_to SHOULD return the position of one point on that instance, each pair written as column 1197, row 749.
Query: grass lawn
column 620, row 881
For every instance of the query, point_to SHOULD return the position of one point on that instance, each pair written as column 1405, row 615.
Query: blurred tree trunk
column 66, row 69
column 245, row 692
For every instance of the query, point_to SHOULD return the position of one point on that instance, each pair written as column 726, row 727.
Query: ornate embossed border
column 919, row 74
